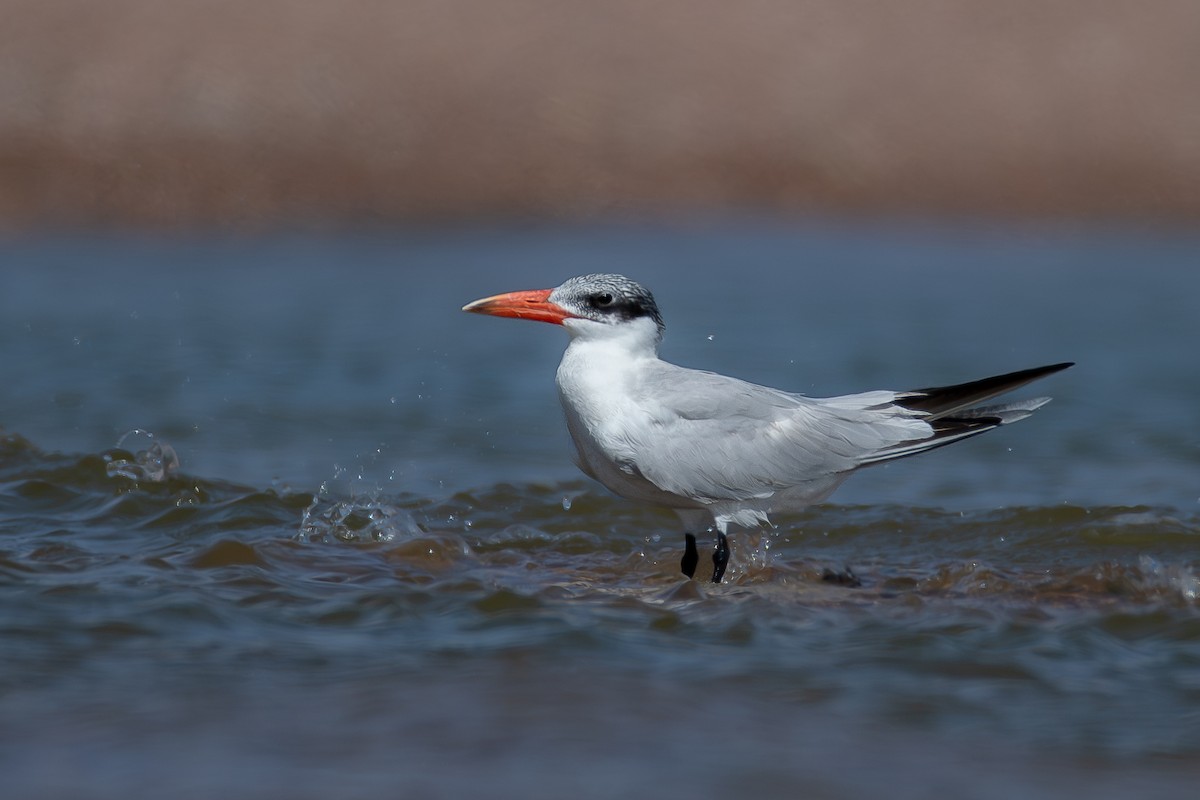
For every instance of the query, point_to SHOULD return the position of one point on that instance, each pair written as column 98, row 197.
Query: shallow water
column 376, row 572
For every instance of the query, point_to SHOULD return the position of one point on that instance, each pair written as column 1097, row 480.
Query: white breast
column 608, row 414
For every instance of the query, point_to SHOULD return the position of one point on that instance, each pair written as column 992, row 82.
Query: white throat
column 601, row 385
column 602, row 361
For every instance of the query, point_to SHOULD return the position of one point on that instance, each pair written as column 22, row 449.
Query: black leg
column 720, row 557
column 690, row 557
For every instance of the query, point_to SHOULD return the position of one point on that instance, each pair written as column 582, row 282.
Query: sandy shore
column 302, row 112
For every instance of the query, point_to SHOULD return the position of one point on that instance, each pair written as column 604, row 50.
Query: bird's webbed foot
column 720, row 557
column 691, row 558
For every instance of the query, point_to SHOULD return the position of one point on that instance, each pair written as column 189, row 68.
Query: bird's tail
column 953, row 413
column 1005, row 412
column 944, row 401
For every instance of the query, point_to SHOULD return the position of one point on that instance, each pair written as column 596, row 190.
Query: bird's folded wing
column 716, row 438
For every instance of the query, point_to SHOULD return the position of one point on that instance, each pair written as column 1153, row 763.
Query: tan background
column 285, row 112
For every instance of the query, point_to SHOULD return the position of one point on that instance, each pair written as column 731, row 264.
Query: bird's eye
column 602, row 300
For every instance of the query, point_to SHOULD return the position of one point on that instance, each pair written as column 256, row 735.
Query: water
column 374, row 571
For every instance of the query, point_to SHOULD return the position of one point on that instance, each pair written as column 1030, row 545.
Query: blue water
column 377, row 571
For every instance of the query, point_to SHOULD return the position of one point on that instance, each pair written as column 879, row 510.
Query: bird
column 719, row 451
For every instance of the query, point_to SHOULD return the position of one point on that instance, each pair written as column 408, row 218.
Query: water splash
column 1174, row 578
column 156, row 463
column 363, row 517
column 355, row 520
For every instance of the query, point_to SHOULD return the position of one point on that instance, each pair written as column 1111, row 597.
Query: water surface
column 376, row 571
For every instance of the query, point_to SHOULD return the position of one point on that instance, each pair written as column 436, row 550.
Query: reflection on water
column 354, row 555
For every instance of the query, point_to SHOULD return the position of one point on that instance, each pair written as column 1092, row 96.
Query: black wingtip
column 940, row 400
column 1026, row 375
column 1029, row 375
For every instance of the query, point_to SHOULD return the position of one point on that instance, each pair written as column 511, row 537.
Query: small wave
column 137, row 500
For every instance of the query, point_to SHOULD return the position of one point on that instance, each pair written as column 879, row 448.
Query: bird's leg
column 720, row 557
column 690, row 557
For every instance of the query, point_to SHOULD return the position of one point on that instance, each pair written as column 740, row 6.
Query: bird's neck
column 607, row 357
column 598, row 373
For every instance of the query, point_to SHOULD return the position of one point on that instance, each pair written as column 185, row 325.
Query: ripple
column 227, row 553
column 1009, row 618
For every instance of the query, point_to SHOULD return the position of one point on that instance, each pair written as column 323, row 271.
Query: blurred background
column 286, row 113
column 244, row 231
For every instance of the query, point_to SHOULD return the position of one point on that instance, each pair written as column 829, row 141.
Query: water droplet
column 566, row 503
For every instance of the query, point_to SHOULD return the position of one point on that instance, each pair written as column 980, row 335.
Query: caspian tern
column 717, row 450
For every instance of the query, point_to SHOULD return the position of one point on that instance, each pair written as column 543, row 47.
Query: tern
column 720, row 451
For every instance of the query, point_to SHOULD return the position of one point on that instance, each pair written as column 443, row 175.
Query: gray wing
column 717, row 438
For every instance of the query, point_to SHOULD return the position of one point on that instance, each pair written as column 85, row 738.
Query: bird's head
column 591, row 306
